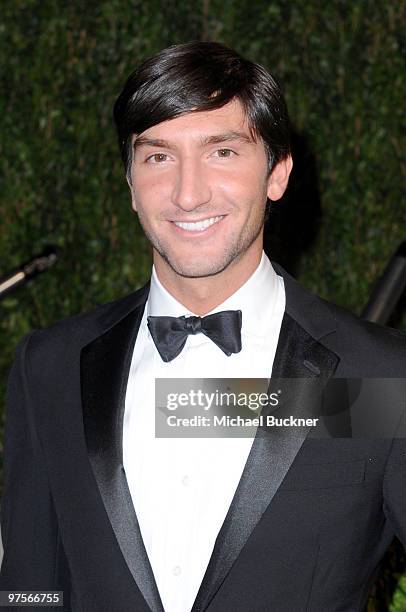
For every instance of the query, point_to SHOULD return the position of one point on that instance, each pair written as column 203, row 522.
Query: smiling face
column 199, row 184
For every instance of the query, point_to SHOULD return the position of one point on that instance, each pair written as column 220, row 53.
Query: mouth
column 198, row 227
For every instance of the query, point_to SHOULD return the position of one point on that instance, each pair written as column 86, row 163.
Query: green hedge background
column 341, row 65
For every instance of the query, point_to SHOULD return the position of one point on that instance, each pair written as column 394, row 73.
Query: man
column 95, row 504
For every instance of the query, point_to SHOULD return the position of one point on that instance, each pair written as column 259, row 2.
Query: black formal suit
column 310, row 519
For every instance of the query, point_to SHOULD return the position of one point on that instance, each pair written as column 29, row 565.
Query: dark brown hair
column 201, row 76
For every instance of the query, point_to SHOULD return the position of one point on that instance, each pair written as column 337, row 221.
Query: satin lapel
column 105, row 365
column 298, row 355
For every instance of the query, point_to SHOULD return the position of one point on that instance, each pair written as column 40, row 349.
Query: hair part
column 201, row 76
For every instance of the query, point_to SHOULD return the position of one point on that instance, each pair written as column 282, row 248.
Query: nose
column 191, row 188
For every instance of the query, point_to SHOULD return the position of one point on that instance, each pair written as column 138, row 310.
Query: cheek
column 148, row 191
column 231, row 185
column 246, row 182
column 249, row 197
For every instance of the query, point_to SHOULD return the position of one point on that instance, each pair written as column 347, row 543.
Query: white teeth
column 200, row 225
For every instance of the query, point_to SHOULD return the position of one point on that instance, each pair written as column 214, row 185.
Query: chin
column 199, row 268
column 197, row 271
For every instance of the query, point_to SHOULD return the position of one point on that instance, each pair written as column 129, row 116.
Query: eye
column 225, row 152
column 156, row 158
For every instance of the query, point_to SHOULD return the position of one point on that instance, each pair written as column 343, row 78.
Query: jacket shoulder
column 79, row 329
column 370, row 348
column 364, row 348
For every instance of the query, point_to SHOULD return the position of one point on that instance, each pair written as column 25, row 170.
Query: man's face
column 199, row 184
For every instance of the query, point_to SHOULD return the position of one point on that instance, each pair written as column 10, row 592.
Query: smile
column 198, row 226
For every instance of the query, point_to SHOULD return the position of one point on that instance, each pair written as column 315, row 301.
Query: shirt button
column 176, row 570
column 185, row 481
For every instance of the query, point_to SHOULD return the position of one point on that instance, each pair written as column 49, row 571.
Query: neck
column 201, row 295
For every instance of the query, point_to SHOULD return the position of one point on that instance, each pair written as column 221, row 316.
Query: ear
column 279, row 177
column 133, row 201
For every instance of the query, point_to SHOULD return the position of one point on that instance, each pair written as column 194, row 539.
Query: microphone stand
column 20, row 276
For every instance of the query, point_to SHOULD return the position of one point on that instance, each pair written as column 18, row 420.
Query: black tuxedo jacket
column 310, row 519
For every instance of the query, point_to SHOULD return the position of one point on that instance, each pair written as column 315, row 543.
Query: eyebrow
column 231, row 136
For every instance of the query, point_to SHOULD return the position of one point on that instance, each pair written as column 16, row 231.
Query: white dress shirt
column 182, row 487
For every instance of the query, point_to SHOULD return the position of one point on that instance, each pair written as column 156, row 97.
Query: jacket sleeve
column 394, row 486
column 33, row 555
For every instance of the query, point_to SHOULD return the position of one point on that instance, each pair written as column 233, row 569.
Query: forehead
column 193, row 125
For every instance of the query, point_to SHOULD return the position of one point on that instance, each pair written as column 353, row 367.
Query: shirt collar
column 256, row 298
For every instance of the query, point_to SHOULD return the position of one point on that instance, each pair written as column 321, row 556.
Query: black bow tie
column 170, row 333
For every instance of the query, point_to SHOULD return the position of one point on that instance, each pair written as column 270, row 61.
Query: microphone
column 20, row 276
column 388, row 289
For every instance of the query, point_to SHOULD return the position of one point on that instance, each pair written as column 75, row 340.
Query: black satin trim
column 105, row 365
column 270, row 457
